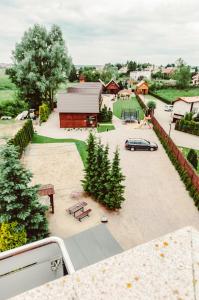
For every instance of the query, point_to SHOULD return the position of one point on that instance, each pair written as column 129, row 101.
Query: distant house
column 112, row 87
column 168, row 71
column 140, row 75
column 195, row 79
column 80, row 105
column 184, row 105
column 142, row 88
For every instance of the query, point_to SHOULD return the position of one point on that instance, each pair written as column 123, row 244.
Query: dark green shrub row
column 191, row 127
column 159, row 97
column 182, row 172
column 23, row 136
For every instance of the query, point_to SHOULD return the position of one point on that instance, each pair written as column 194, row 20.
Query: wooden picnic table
column 48, row 190
column 77, row 207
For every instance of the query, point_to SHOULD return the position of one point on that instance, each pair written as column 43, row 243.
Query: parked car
column 6, row 118
column 168, row 107
column 140, row 144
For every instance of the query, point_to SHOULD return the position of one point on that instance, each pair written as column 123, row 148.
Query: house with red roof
column 142, row 88
column 183, row 105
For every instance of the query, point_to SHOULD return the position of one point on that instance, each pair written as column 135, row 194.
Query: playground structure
column 145, row 122
column 130, row 115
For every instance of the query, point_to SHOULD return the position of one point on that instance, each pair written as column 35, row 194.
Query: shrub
column 11, row 236
column 12, row 107
column 44, row 112
column 23, row 137
column 105, row 115
column 193, row 158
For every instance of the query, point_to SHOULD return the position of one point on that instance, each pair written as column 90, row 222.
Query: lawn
column 6, row 95
column 7, row 88
column 81, row 145
column 172, row 93
column 132, row 103
column 105, row 127
column 185, row 152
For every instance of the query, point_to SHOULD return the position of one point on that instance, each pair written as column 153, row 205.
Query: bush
column 105, row 115
column 11, row 236
column 12, row 107
column 193, row 158
column 44, row 112
column 23, row 137
column 188, row 125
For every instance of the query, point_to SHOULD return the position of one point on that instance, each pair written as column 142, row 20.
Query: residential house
column 184, row 105
column 142, row 88
column 195, row 79
column 80, row 105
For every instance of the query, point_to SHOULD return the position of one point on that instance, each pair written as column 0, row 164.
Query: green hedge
column 191, row 127
column 23, row 136
column 159, row 97
column 183, row 174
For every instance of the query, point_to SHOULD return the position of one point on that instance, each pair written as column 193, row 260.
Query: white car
column 6, row 118
column 168, row 107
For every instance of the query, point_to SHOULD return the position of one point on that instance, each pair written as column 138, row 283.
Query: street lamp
column 170, row 123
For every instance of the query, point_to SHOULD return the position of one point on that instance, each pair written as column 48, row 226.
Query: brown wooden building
column 142, row 88
column 112, row 87
column 80, row 105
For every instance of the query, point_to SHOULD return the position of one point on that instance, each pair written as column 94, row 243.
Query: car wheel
column 132, row 149
column 152, row 149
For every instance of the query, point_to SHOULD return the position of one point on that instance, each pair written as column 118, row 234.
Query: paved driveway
column 180, row 138
column 156, row 200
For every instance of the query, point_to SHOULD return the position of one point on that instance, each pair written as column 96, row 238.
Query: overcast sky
column 96, row 32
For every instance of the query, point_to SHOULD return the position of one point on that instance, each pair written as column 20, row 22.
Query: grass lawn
column 132, row 103
column 185, row 152
column 171, row 93
column 81, row 145
column 105, row 127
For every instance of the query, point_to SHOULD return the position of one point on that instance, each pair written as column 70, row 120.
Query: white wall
column 136, row 74
column 181, row 107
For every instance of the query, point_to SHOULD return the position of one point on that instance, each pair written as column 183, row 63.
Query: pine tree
column 90, row 168
column 110, row 115
column 105, row 176
column 115, row 195
column 19, row 201
column 96, row 187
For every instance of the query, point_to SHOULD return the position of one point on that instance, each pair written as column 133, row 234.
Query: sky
column 102, row 31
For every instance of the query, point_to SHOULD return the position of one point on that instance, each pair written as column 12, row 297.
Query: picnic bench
column 83, row 214
column 77, row 207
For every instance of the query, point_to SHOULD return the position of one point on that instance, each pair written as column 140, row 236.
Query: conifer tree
column 96, row 188
column 115, row 195
column 90, row 168
column 105, row 176
column 18, row 200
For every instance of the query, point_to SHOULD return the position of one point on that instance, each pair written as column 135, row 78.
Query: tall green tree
column 182, row 75
column 19, row 200
column 115, row 195
column 90, row 169
column 105, row 175
column 73, row 74
column 40, row 64
column 96, row 184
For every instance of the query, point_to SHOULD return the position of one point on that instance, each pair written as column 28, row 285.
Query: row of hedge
column 159, row 97
column 183, row 174
column 23, row 136
column 191, row 127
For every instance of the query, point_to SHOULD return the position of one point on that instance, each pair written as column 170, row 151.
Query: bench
column 83, row 214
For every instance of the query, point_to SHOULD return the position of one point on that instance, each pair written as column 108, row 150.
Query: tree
column 40, row 64
column 151, row 106
column 96, row 184
column 105, row 114
column 182, row 75
column 73, row 74
column 19, row 201
column 132, row 66
column 90, row 169
column 105, row 176
column 115, row 195
column 11, row 237
column 193, row 158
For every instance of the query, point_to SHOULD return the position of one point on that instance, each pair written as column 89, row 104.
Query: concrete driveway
column 156, row 200
column 180, row 138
